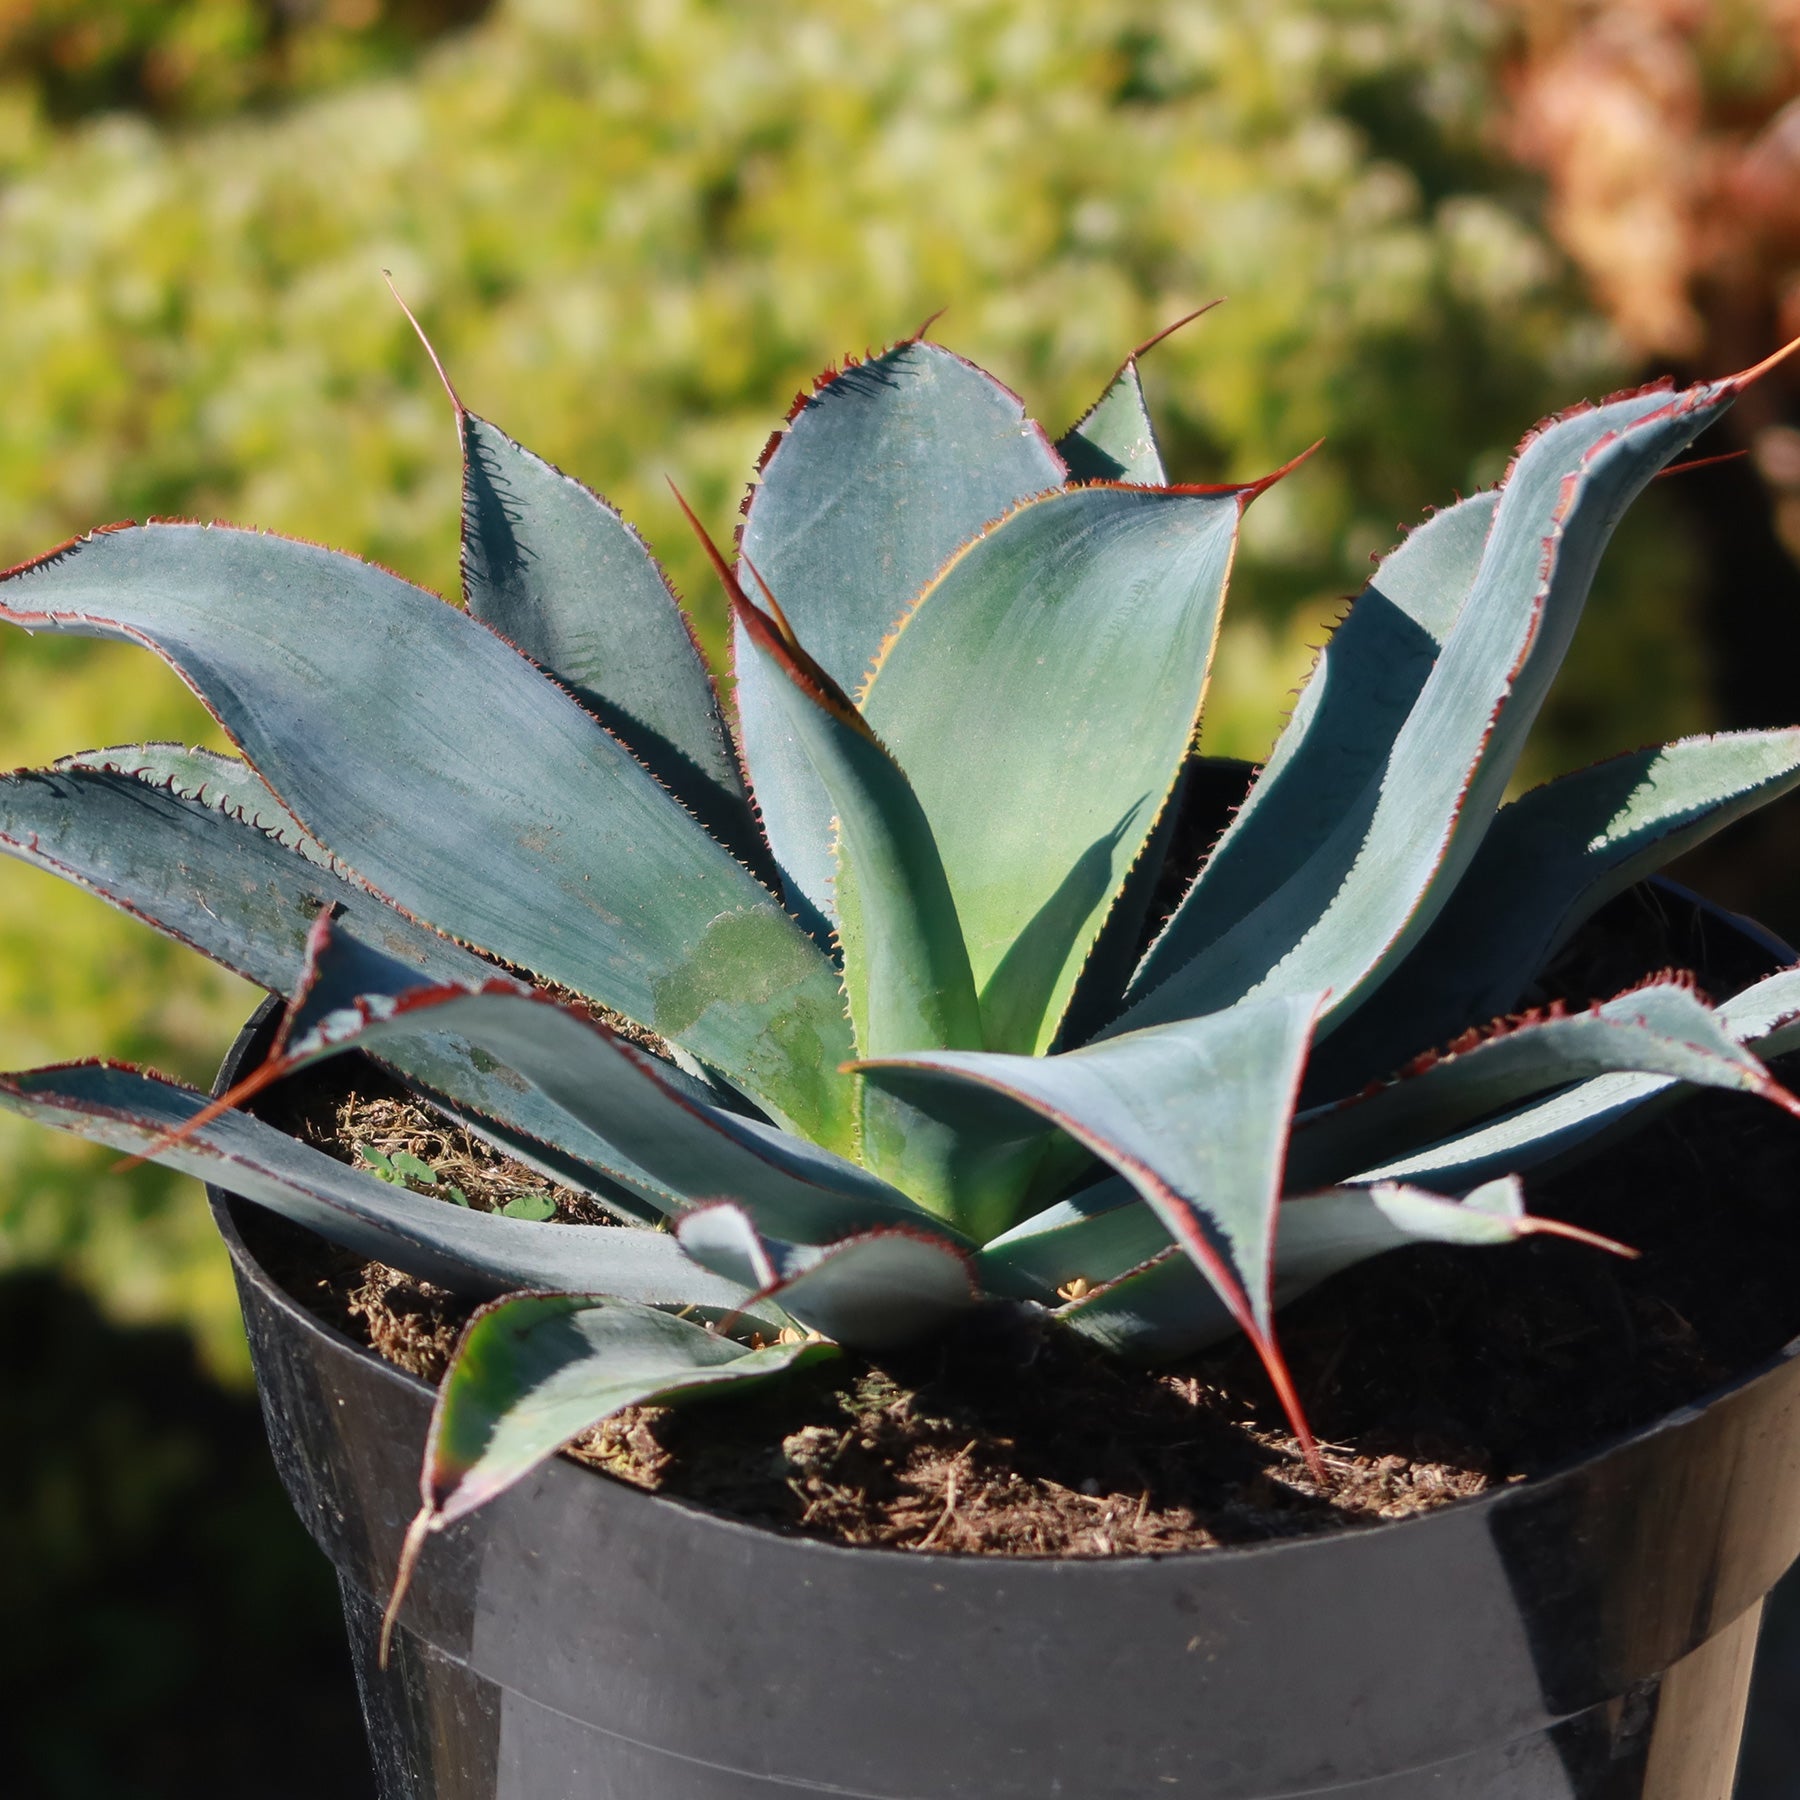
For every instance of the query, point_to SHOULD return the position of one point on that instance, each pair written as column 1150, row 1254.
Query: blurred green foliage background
column 633, row 229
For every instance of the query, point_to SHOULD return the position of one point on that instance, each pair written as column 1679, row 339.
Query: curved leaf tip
column 1745, row 377
column 413, row 321
column 772, row 633
column 534, row 1370
column 769, row 629
column 1535, row 1225
column 1212, row 1177
column 918, row 337
column 1255, row 489
column 1168, row 331
column 873, row 1289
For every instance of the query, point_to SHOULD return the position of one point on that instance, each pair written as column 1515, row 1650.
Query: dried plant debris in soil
column 413, row 1323
column 1429, row 1374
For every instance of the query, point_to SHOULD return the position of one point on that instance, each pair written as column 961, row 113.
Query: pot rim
column 1567, row 1471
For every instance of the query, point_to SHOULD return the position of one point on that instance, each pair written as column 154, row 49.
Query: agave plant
column 843, row 1013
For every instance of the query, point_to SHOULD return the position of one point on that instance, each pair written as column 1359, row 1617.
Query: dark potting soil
column 1429, row 1375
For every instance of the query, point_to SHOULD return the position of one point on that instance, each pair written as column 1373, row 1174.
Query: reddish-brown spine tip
column 728, row 579
column 918, row 337
column 1169, row 331
column 1699, row 462
column 412, row 320
column 1276, row 1367
column 1758, row 370
column 772, row 605
column 779, row 638
column 1773, row 1090
column 1262, row 486
column 1536, row 1227
column 411, row 1546
column 251, row 1085
column 1246, row 491
column 772, row 633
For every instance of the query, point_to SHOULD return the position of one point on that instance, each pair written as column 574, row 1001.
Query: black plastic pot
column 1587, row 1635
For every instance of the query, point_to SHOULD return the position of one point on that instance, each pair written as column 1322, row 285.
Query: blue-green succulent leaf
column 612, row 1087
column 1095, row 998
column 1551, row 860
column 1765, row 1017
column 874, row 1290
column 1194, row 1115
column 881, row 475
column 467, row 787
column 719, row 1235
column 1365, row 894
column 1339, row 735
column 1042, row 698
column 556, row 571
column 535, row 1370
column 879, row 1290
column 1163, row 1310
column 240, row 897
column 197, row 873
column 1660, row 1029
column 225, row 783
column 1567, row 1126
column 468, row 1251
column 1091, row 1236
column 905, row 968
column 906, row 971
column 1114, row 440
column 1207, row 794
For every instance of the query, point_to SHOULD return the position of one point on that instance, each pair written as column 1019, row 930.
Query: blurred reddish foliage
column 1669, row 134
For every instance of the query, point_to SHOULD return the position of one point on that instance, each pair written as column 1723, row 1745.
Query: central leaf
column 1041, row 698
column 883, row 472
